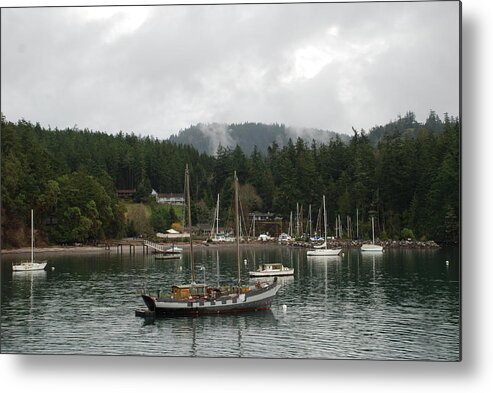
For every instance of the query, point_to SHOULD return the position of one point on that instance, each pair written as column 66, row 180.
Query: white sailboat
column 217, row 237
column 324, row 251
column 32, row 264
column 372, row 247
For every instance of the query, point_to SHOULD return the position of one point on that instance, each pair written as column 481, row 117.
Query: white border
column 133, row 374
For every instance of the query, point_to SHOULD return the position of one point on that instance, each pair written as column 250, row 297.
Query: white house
column 170, row 199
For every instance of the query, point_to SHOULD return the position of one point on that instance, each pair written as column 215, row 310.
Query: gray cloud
column 155, row 70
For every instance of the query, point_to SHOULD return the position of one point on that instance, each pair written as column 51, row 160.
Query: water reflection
column 395, row 305
column 233, row 335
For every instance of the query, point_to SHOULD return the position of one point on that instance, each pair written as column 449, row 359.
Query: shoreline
column 405, row 244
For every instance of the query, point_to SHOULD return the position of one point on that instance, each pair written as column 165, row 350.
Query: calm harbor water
column 402, row 304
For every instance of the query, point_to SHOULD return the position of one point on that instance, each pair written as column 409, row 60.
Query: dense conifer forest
column 406, row 174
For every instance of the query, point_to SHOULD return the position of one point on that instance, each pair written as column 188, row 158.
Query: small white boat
column 322, row 252
column 25, row 266
column 174, row 250
column 284, row 238
column 167, row 256
column 272, row 269
column 372, row 247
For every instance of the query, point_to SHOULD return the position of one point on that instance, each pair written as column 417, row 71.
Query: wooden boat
column 372, row 247
column 272, row 269
column 325, row 251
column 200, row 299
column 24, row 266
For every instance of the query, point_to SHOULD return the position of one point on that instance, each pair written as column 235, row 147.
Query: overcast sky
column 154, row 70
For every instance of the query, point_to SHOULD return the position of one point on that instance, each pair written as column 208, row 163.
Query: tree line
column 406, row 174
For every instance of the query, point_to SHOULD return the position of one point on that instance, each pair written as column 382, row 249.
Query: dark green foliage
column 160, row 218
column 84, row 212
column 404, row 173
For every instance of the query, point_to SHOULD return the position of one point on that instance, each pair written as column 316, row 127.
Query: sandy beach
column 126, row 248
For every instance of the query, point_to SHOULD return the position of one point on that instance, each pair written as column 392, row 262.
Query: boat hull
column 167, row 256
column 29, row 266
column 371, row 248
column 288, row 272
column 323, row 252
column 257, row 300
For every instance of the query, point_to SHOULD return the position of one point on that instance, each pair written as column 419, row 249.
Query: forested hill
column 409, row 180
column 407, row 125
column 207, row 138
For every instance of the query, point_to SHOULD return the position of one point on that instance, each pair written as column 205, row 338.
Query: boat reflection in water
column 232, row 335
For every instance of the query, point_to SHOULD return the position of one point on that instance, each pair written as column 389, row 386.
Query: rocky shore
column 386, row 244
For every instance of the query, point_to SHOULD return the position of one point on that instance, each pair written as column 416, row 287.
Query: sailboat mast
column 217, row 215
column 310, row 219
column 297, row 221
column 290, row 224
column 187, row 186
column 372, row 230
column 32, row 235
column 237, row 229
column 357, row 225
column 325, row 224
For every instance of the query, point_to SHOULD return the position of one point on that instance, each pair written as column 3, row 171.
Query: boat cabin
column 270, row 266
column 185, row 291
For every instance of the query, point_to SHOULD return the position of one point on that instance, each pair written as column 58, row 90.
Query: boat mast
column 291, row 224
column 187, row 187
column 217, row 216
column 325, row 224
column 32, row 235
column 310, row 219
column 297, row 221
column 348, row 227
column 237, row 229
column 372, row 230
column 301, row 220
column 357, row 225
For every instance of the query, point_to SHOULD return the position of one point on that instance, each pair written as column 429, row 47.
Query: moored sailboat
column 32, row 264
column 201, row 299
column 372, row 247
column 325, row 251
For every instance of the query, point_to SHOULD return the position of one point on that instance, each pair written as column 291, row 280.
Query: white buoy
column 245, row 261
column 446, row 263
column 53, row 268
column 180, row 268
column 284, row 308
